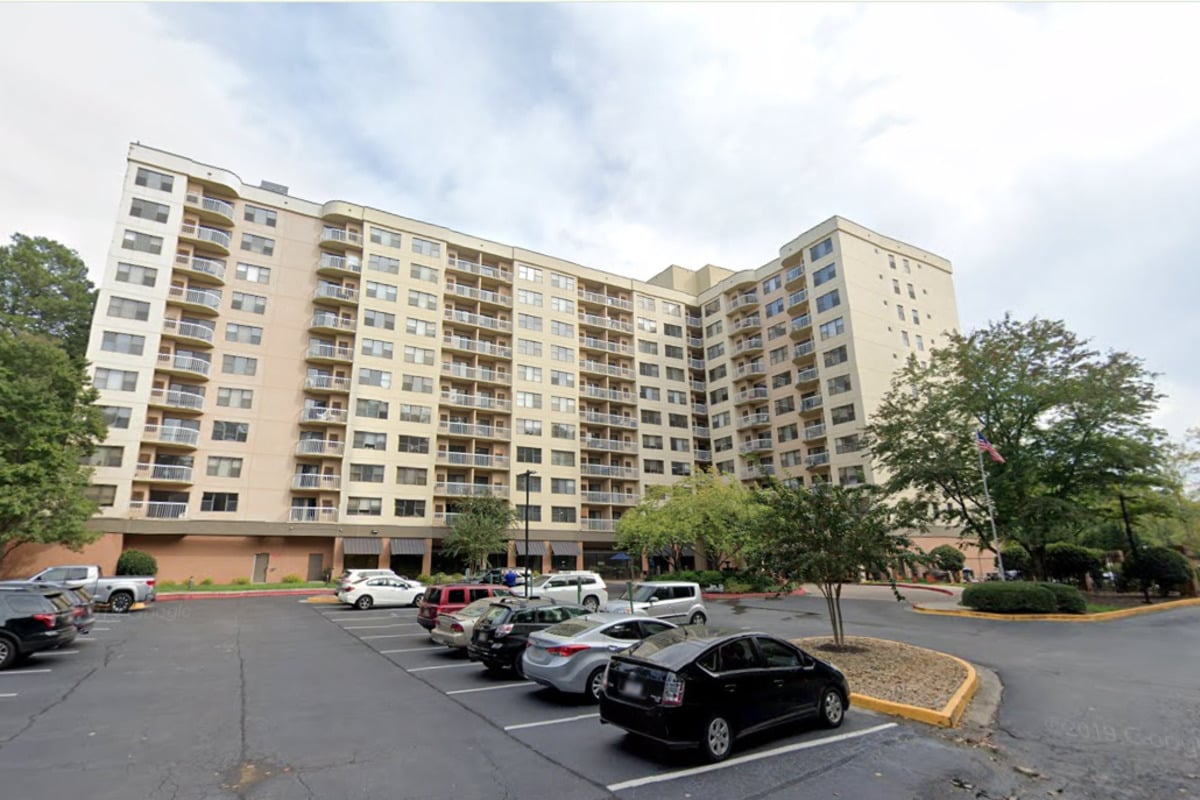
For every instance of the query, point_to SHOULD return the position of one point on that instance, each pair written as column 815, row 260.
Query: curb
column 926, row 587
column 751, row 595
column 1103, row 616
column 252, row 593
column 947, row 717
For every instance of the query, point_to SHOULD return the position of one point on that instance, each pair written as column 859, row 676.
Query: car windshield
column 643, row 592
column 572, row 627
column 542, row 581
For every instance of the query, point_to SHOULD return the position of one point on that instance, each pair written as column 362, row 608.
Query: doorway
column 260, row 567
column 316, row 567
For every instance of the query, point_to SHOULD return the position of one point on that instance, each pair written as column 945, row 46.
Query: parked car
column 501, row 633
column 678, row 601
column 33, row 620
column 118, row 593
column 353, row 576
column 572, row 656
column 84, row 608
column 584, row 588
column 700, row 687
column 384, row 590
column 454, row 630
column 453, row 597
column 496, row 576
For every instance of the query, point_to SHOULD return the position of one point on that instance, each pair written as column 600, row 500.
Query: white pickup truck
column 118, row 593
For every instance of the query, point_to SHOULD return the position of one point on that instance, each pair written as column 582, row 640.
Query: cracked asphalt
column 266, row 698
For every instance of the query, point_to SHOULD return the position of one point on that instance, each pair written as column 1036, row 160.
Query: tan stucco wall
column 29, row 559
column 224, row 558
column 982, row 561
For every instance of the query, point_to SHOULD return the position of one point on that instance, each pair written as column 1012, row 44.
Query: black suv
column 501, row 633
column 32, row 620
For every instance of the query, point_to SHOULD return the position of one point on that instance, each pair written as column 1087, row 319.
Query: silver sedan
column 571, row 656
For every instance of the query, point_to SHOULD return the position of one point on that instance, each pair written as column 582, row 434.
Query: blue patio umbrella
column 620, row 557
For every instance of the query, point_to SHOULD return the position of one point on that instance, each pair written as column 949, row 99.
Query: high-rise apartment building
column 293, row 386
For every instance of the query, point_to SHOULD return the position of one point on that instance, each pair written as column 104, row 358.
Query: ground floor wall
column 29, row 559
column 221, row 559
column 980, row 561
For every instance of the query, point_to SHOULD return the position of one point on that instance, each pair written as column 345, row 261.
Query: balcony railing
column 327, row 383
column 699, row 408
column 476, row 401
column 476, row 346
column 806, row 375
column 206, row 266
column 753, row 420
column 610, row 445
column 469, row 429
column 320, row 414
column 760, row 471
column 701, row 432
column 331, row 351
column 472, row 460
column 470, row 489
column 698, row 386
column 330, row 291
column 320, row 447
column 814, row 432
column 171, row 434
column 615, row 395
column 801, row 322
column 805, row 348
column 812, row 403
column 478, row 320
column 476, row 373
column 196, row 297
column 184, row 363
column 163, row 472
column 695, row 322
column 483, row 270
column 608, row 419
column 796, row 298
column 603, row 299
column 203, row 233
column 703, row 455
column 608, row 471
column 751, row 395
column 600, row 524
column 341, row 263
column 610, row 498
column 754, row 445
column 611, row 347
column 156, row 510
column 190, row 330
column 816, row 460
column 341, row 236
column 326, row 320
column 741, row 301
column 753, row 321
column 446, row 518
column 324, row 483
column 482, row 295
column 211, row 204
column 173, row 398
column 696, row 363
column 757, row 368
column 755, row 343
column 607, row 369
column 606, row 322
column 313, row 514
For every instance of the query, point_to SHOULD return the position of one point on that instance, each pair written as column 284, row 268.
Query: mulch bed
column 894, row 671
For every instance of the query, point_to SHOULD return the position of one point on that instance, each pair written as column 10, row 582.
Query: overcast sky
column 1052, row 152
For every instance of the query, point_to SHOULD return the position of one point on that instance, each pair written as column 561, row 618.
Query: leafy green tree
column 829, row 534
column 1159, row 567
column 1071, row 562
column 1016, row 558
column 648, row 527
column 1071, row 423
column 480, row 528
column 44, row 288
column 48, row 428
column 948, row 558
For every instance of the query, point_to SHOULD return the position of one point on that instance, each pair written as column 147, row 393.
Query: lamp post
column 527, row 474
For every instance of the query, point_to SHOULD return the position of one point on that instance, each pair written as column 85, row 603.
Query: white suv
column 584, row 588
column 678, row 601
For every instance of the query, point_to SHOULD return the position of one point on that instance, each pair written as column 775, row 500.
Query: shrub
column 425, row 579
column 947, row 558
column 710, row 577
column 136, row 562
column 1070, row 562
column 1160, row 567
column 166, row 585
column 1016, row 557
column 1067, row 598
column 240, row 581
column 292, row 579
column 1014, row 597
column 735, row 586
column 206, row 582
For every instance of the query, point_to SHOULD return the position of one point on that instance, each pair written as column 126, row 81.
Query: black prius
column 701, row 687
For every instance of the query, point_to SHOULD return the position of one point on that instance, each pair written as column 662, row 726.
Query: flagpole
column 991, row 516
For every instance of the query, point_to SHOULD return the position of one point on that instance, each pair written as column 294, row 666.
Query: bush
column 710, row 577
column 425, row 579
column 948, row 558
column 1160, row 567
column 1014, row 597
column 136, row 562
column 240, row 581
column 206, row 582
column 166, row 585
column 292, row 579
column 734, row 586
column 1070, row 562
column 1016, row 557
column 1067, row 599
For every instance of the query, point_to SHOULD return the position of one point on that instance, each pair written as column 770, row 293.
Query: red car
column 453, row 597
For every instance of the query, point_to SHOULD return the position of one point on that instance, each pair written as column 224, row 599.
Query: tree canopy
column 1071, row 423
column 44, row 289
column 479, row 529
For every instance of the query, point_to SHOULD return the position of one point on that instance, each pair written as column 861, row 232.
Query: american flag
column 983, row 444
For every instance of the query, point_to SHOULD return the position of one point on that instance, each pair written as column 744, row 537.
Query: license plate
column 633, row 688
column 483, row 636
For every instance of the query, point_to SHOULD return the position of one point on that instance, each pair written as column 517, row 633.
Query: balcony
column 813, row 403
column 703, row 455
column 608, row 445
column 753, row 421
column 590, row 343
column 699, row 408
column 482, row 270
column 701, row 432
column 211, row 270
column 806, row 376
column 204, row 236
column 794, row 276
column 747, row 370
column 337, row 238
column 480, row 295
column 607, row 369
column 605, row 300
column 209, row 208
column 338, row 266
column 803, row 350
column 190, row 332
column 696, row 363
column 757, row 394
column 327, row 383
column 608, row 471
column 801, row 325
column 330, row 352
column 446, row 518
column 698, row 386
column 477, row 431
column 480, row 460
column 184, row 365
column 813, row 432
column 323, row 415
column 742, row 301
column 476, row 401
column 612, row 395
column 320, row 483
column 695, row 322
column 454, row 489
column 748, row 323
column 755, row 446
column 816, row 460
column 756, row 472
column 605, row 322
column 333, row 448
column 797, row 299
column 616, row 420
column 750, row 345
column 332, row 293
column 171, row 435
column 478, row 320
column 695, row 341
column 165, row 473
column 313, row 514
column 177, row 400
column 157, row 510
column 325, row 321
column 476, row 346
column 610, row 498
column 202, row 300
column 600, row 524
column 481, row 374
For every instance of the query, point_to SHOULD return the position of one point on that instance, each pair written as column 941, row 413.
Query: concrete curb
column 751, row 595
column 1103, row 616
column 947, row 717
column 927, row 588
column 250, row 593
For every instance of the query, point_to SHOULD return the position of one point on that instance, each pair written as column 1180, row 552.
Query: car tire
column 364, row 602
column 417, row 600
column 832, row 709
column 716, row 739
column 595, row 684
column 120, row 602
column 591, row 603
column 697, row 619
column 8, row 652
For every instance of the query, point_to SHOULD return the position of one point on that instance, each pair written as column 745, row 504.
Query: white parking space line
column 493, row 688
column 58, row 652
column 12, row 672
column 357, row 618
column 444, row 666
column 733, row 762
column 10, row 694
column 394, row 636
column 524, row 725
column 431, row 649
column 372, row 627
column 101, row 629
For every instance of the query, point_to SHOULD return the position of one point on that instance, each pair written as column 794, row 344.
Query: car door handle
column 778, row 681
column 731, row 687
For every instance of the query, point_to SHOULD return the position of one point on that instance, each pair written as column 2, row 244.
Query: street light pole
column 527, row 474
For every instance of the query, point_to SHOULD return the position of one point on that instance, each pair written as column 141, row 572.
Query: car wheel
column 364, row 602
column 8, row 652
column 716, row 739
column 832, row 709
column 698, row 618
column 417, row 600
column 595, row 684
column 592, row 604
column 120, row 602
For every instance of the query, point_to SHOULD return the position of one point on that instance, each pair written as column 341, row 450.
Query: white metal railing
column 816, row 459
column 703, row 455
column 612, row 445
column 340, row 235
column 191, row 330
column 327, row 383
column 607, row 369
column 606, row 322
column 603, row 299
column 313, row 514
column 334, row 292
column 615, row 395
column 803, row 349
column 164, row 472
column 469, row 429
column 608, row 419
column 753, row 321
column 156, row 510
column 476, row 346
column 757, row 393
column 698, row 386
column 323, row 319
column 747, row 299
column 752, row 420
column 610, row 498
column 447, row 518
column 801, row 322
column 209, row 204
column 206, row 266
column 695, row 322
column 476, row 373
column 328, row 261
column 611, row 347
column 472, row 459
column 178, row 399
column 172, row 434
column 754, row 445
column 476, row 401
column 695, row 341
column 701, row 431
column 608, row 471
column 814, row 432
column 482, row 295
column 755, row 343
column 478, row 320
column 470, row 489
column 696, row 363
column 760, row 471
column 795, row 273
column 699, row 408
column 322, row 414
column 806, row 375
column 757, row 368
column 198, row 297
column 810, row 403
column 796, row 298
column 600, row 524
column 304, row 480
column 206, row 234
column 331, row 351
column 484, row 270
column 186, row 363
column 320, row 447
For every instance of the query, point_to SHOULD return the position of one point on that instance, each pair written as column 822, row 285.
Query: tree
column 947, row 558
column 136, row 562
column 827, row 535
column 1071, row 423
column 48, row 428
column 479, row 529
column 44, row 289
column 1071, row 562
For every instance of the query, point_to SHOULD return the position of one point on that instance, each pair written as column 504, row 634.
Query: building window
column 239, row 365
column 677, row 397
column 788, row 433
column 782, row 379
column 529, row 400
column 243, row 334
column 560, row 378
column 648, row 370
column 154, row 180
column 820, row 250
column 529, row 297
column 116, row 416
column 774, row 307
column 648, row 347
column 417, row 383
column 776, row 330
column 920, row 343
column 385, row 238
column 852, row 476
column 900, row 312
column 254, row 303
column 377, row 348
column 418, row 355
column 132, row 273
column 379, row 319
column 529, row 513
column 716, row 351
column 529, row 322
column 847, row 444
column 837, row 355
column 370, row 440
column 420, row 327
column 562, row 486
column 562, row 305
column 680, row 445
column 714, row 329
column 224, row 467
column 566, row 329
column 647, row 325
column 103, row 495
column 904, row 338
column 651, row 442
column 529, row 455
column 562, row 458
column 219, row 501
column 561, row 430
column 259, row 215
column 412, row 444
column 562, row 514
column 410, row 508
column 125, row 308
column 423, row 300
column 379, row 263
column 712, row 307
column 529, row 347
column 652, row 466
column 127, row 343
column 528, row 273
column 649, row 393
column 372, row 409
column 778, row 354
column 413, row 413
column 842, row 414
column 681, row 468
column 529, row 427
column 838, row 385
column 563, row 354
column 785, row 405
column 673, row 351
column 772, row 284
column 258, row 244
column 828, row 300
column 116, row 379
column 832, row 328
column 253, row 273
column 824, row 275
column 564, row 405
column 718, row 372
column 381, row 291
column 531, row 374
column 422, row 273
column 426, row 247
column 651, row 417
column 916, row 317
column 559, row 281
column 364, row 506
column 235, row 398
column 225, row 431
column 366, row 473
column 678, row 421
column 675, row 331
column 912, row 292
column 676, row 374
column 106, row 456
column 375, row 377
column 145, row 209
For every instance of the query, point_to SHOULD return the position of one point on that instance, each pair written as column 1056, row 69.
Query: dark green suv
column 501, row 633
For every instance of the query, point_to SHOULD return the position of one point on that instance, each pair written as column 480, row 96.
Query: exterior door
column 260, row 567
column 316, row 566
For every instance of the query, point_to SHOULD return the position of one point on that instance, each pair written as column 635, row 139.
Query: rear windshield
column 493, row 614
column 572, row 627
column 29, row 604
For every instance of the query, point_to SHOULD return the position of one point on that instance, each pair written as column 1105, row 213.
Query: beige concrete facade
column 280, row 373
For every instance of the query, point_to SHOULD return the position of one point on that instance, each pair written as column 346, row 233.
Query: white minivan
column 583, row 588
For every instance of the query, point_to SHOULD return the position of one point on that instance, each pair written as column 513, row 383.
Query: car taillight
column 566, row 649
column 457, row 628
column 503, row 630
column 48, row 620
column 672, row 690
column 150, row 582
column 79, row 612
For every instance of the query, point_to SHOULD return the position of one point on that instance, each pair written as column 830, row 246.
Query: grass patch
column 1100, row 608
column 241, row 587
